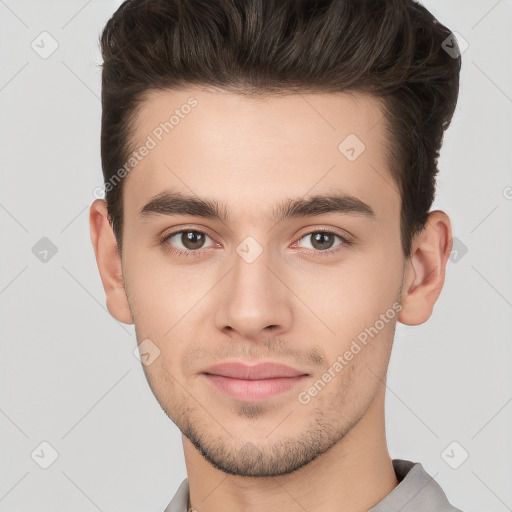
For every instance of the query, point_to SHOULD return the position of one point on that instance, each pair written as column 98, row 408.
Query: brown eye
column 185, row 241
column 192, row 239
column 322, row 241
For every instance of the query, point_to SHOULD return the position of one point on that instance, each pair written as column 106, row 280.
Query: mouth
column 253, row 383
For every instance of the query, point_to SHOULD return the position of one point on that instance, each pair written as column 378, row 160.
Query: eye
column 323, row 241
column 185, row 241
column 189, row 242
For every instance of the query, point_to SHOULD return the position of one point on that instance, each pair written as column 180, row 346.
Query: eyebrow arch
column 172, row 202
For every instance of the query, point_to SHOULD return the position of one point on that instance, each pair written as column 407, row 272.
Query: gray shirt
column 416, row 491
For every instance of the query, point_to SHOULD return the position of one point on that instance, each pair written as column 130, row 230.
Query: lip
column 268, row 370
column 253, row 383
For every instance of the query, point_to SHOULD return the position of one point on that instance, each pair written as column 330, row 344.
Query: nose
column 254, row 300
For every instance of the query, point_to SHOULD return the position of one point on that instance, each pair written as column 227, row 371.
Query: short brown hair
column 392, row 49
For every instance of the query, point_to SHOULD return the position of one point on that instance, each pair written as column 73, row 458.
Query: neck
column 353, row 476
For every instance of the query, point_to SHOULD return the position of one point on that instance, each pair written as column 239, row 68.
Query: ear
column 109, row 262
column 425, row 269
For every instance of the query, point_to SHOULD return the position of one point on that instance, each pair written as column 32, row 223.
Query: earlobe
column 109, row 262
column 425, row 270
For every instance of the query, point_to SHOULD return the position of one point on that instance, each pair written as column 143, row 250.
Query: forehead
column 255, row 151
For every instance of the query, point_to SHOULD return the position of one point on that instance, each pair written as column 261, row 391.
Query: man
column 269, row 168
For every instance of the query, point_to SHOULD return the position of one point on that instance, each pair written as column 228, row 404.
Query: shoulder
column 179, row 502
column 417, row 491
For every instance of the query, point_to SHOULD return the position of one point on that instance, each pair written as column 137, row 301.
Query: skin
column 294, row 304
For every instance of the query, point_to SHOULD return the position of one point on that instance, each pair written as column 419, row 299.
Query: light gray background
column 68, row 374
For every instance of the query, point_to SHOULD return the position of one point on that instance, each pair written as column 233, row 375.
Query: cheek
column 166, row 300
column 357, row 301
column 160, row 292
column 353, row 293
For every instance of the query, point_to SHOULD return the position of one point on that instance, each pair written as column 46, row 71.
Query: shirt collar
column 416, row 491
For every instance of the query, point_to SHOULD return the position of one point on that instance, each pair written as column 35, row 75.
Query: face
column 252, row 284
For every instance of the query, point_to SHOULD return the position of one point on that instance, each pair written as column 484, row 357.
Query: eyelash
column 179, row 252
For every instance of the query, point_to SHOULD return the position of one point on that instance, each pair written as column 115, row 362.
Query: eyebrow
column 170, row 203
